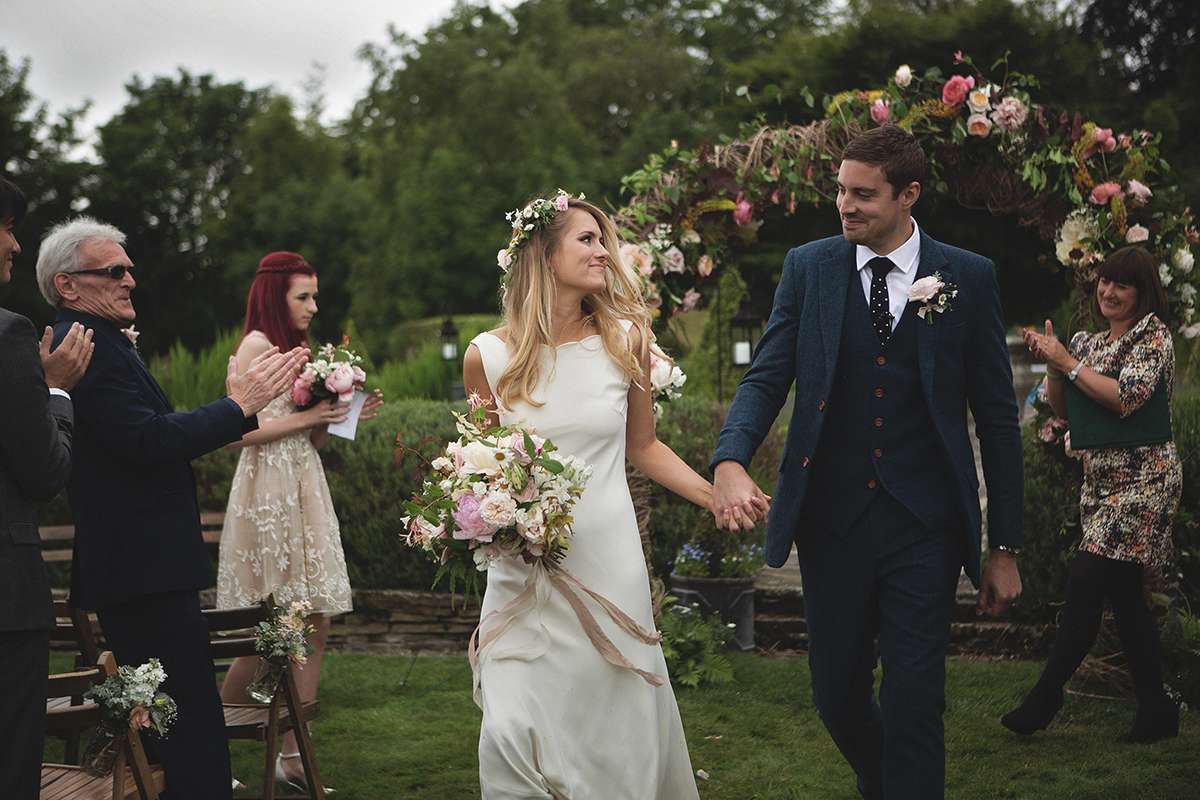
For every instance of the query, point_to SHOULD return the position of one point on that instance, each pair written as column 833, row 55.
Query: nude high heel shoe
column 295, row 783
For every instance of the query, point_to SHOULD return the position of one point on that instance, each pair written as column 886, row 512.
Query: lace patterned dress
column 559, row 721
column 281, row 534
column 1130, row 494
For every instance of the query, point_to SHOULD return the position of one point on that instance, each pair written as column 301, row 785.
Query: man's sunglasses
column 116, row 271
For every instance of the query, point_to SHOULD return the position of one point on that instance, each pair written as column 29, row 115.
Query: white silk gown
column 560, row 721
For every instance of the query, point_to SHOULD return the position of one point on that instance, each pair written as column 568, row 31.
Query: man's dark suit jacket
column 133, row 494
column 963, row 361
column 35, row 462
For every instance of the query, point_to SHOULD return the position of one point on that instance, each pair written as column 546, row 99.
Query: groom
column 878, row 487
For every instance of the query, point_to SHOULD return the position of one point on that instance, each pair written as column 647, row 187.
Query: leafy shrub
column 191, row 380
column 690, row 426
column 1181, row 650
column 423, row 373
column 693, row 645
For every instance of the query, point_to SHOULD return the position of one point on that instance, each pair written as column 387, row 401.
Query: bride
column 577, row 705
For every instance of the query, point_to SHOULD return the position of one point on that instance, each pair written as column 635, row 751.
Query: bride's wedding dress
column 559, row 720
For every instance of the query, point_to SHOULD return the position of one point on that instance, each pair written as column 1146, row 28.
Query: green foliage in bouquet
column 279, row 640
column 129, row 699
column 693, row 646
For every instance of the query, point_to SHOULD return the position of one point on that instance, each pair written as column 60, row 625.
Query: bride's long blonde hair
column 528, row 302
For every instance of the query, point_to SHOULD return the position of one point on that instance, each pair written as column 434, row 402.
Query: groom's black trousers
column 890, row 578
column 170, row 627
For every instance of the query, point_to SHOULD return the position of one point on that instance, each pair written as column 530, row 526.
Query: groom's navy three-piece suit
column 139, row 557
column 878, row 489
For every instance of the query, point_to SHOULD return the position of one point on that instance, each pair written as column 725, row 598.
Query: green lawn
column 381, row 737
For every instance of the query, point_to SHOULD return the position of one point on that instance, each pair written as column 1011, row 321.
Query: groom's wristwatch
column 1012, row 551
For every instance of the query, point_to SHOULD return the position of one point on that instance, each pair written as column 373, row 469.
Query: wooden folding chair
column 73, row 629
column 231, row 637
column 132, row 778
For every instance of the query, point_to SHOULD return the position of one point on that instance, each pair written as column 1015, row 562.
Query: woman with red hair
column 281, row 534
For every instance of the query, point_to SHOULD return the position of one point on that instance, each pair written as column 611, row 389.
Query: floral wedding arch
column 990, row 146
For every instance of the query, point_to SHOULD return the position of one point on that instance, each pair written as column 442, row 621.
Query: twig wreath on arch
column 990, row 146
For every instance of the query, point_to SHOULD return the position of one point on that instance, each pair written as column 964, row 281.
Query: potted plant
column 715, row 571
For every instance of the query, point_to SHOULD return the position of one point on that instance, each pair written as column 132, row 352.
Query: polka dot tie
column 881, row 314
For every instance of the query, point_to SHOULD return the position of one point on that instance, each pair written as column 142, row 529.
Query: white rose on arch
column 1184, row 260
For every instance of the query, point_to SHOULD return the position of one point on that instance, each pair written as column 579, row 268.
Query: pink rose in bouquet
column 301, row 392
column 955, row 90
column 341, row 382
column 1139, row 191
column 979, row 125
column 468, row 519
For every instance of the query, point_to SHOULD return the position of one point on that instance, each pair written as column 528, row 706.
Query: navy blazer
column 132, row 491
column 963, row 359
column 35, row 462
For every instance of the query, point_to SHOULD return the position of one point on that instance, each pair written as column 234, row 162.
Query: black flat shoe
column 1034, row 714
column 1154, row 722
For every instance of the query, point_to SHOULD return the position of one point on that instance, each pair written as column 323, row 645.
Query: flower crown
column 526, row 220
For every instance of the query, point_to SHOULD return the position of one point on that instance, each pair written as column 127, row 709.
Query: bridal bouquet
column 495, row 492
column 128, row 700
column 333, row 375
column 282, row 638
column 666, row 379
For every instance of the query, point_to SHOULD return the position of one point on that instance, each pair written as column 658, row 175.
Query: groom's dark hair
column 892, row 149
column 12, row 202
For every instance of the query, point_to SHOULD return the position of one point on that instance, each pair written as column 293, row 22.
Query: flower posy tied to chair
column 537, row 214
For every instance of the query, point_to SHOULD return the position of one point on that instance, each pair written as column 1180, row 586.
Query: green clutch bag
column 1094, row 427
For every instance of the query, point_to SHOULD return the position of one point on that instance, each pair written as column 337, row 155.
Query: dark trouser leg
column 1137, row 629
column 1080, row 622
column 917, row 572
column 169, row 627
column 23, row 712
column 840, row 611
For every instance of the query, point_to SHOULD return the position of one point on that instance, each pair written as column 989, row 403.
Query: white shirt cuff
column 60, row 393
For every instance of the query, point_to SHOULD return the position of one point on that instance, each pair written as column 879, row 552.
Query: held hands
column 1001, row 584
column 269, row 375
column 738, row 504
column 69, row 361
column 1048, row 348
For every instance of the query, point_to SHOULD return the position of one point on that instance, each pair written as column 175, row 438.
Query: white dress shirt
column 906, row 257
column 60, row 393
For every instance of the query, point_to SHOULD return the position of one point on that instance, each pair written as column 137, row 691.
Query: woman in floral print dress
column 1129, row 494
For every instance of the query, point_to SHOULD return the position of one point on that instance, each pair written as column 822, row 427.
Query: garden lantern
column 744, row 326
column 449, row 340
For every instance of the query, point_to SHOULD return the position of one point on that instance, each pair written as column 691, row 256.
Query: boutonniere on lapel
column 934, row 293
column 132, row 333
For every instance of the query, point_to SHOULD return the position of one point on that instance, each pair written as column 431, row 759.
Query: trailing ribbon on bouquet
column 566, row 582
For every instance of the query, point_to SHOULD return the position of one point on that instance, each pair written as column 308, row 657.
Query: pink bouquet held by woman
column 333, row 375
column 495, row 492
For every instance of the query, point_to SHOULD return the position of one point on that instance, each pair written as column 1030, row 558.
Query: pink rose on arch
column 979, row 125
column 673, row 260
column 468, row 519
column 880, row 112
column 958, row 57
column 1105, row 192
column 690, row 299
column 1125, row 141
column 955, row 90
column 704, row 266
column 743, row 211
column 301, row 391
column 1137, row 233
column 1139, row 191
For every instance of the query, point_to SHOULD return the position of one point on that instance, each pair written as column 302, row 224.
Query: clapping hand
column 69, row 361
column 269, row 375
column 371, row 406
column 1046, row 347
column 738, row 504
